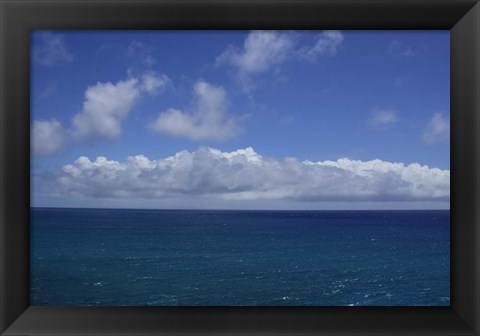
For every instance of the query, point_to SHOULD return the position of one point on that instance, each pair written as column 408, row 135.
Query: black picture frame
column 19, row 17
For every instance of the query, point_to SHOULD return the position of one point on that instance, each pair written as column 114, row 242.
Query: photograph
column 240, row 168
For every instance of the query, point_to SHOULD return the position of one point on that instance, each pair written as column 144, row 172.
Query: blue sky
column 311, row 110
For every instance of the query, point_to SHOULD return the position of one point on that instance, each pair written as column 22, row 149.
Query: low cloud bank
column 245, row 175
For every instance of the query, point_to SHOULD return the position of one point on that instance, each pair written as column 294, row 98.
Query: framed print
column 222, row 167
column 164, row 215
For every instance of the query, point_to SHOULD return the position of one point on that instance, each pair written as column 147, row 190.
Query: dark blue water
column 103, row 257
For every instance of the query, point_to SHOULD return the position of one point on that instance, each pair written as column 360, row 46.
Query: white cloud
column 154, row 83
column 105, row 107
column 209, row 120
column 328, row 43
column 265, row 51
column 382, row 119
column 246, row 175
column 47, row 137
column 51, row 49
column 262, row 51
column 437, row 130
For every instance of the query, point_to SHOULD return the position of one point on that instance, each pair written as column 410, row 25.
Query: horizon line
column 209, row 209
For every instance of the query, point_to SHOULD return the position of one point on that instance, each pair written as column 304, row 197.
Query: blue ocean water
column 106, row 257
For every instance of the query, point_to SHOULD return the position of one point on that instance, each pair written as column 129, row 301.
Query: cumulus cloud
column 261, row 52
column 245, row 175
column 437, row 130
column 154, row 83
column 51, row 49
column 47, row 137
column 265, row 51
column 382, row 119
column 209, row 119
column 327, row 43
column 106, row 105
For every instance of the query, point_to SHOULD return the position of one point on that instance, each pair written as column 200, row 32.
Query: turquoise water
column 104, row 257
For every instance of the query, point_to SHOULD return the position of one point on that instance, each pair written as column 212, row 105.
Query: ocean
column 120, row 257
